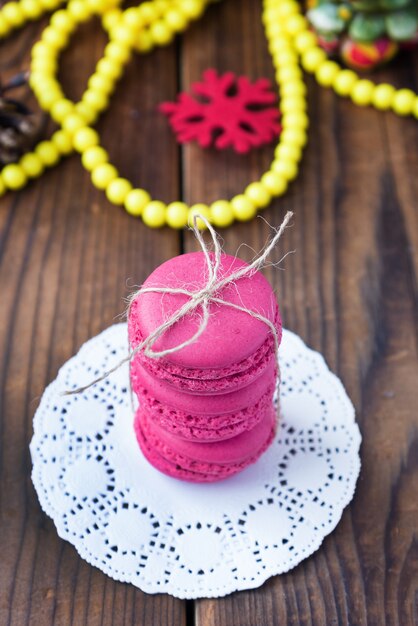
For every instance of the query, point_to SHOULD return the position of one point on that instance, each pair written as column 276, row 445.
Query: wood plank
column 350, row 292
column 66, row 256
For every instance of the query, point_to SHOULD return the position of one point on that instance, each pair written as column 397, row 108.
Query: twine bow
column 209, row 293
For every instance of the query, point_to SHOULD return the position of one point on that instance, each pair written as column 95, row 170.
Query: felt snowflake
column 225, row 111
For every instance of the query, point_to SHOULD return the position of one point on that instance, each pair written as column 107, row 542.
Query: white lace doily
column 165, row 535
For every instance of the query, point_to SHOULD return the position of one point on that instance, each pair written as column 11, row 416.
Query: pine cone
column 18, row 125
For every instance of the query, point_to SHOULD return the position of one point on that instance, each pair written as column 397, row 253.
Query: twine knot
column 209, row 293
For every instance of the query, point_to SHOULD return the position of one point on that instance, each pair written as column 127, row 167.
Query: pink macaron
column 203, row 462
column 205, row 410
column 203, row 417
column 235, row 348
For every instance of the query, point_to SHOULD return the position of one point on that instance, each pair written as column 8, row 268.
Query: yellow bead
column 163, row 6
column 48, row 153
column 258, row 194
column 136, row 201
column 98, row 82
column 14, row 176
column 73, row 122
column 62, row 109
column 124, row 34
column 103, row 174
column 48, row 97
column 295, row 119
column 191, row 8
column 55, row 38
column 2, row 187
column 274, row 29
column 287, row 8
column 133, row 18
column 97, row 100
column 50, row 5
column 85, row 138
column 403, row 102
column 312, row 59
column 287, row 169
column 79, row 10
column 326, row 73
column 42, row 84
column 153, row 214
column 41, row 49
column 274, row 183
column 290, row 104
column 222, row 213
column 279, row 45
column 293, row 88
column 62, row 140
column 110, row 68
column 294, row 136
column 32, row 165
column 87, row 112
column 290, row 73
column 286, row 57
column 4, row 30
column 176, row 20
column 148, row 11
column 93, row 157
column 305, row 41
column 288, row 152
column 383, row 96
column 100, row 6
column 243, row 208
column 62, row 20
column 344, row 82
column 117, row 51
column 161, row 33
column 144, row 42
column 296, row 24
column 269, row 15
column 13, row 14
column 117, row 190
column 177, row 214
column 44, row 65
column 199, row 209
column 111, row 18
column 31, row 9
column 362, row 92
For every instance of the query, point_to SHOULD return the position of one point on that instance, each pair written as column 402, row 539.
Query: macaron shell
column 226, row 452
column 203, row 427
column 175, row 471
column 230, row 336
column 191, row 470
column 210, row 381
column 201, row 404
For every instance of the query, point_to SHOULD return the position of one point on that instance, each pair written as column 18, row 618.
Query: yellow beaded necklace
column 156, row 23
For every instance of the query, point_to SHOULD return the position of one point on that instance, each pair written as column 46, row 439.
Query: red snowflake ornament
column 225, row 111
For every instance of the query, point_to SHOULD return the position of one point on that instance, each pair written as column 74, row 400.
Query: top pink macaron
column 233, row 340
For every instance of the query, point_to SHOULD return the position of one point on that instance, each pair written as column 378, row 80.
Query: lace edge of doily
column 270, row 570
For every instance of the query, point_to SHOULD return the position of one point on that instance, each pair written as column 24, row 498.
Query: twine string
column 209, row 293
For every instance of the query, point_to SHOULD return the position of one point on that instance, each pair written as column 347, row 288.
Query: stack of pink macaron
column 205, row 411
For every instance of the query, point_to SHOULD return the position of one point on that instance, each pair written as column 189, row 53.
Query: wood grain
column 67, row 260
column 350, row 290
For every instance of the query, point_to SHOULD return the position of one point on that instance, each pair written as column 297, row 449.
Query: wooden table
column 68, row 258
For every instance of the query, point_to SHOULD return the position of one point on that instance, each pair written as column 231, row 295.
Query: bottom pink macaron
column 203, row 462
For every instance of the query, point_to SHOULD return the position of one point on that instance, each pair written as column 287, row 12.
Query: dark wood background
column 67, row 259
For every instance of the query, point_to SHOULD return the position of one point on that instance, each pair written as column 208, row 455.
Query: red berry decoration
column 225, row 111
